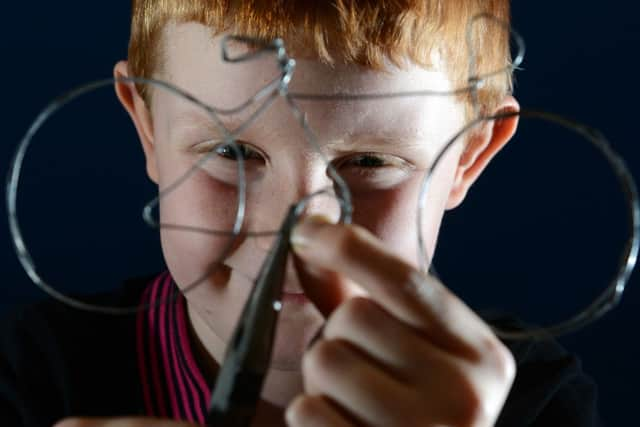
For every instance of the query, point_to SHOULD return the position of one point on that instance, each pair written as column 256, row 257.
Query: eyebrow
column 194, row 118
column 375, row 141
column 194, row 122
column 198, row 118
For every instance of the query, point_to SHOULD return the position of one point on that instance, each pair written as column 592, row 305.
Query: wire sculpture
column 278, row 88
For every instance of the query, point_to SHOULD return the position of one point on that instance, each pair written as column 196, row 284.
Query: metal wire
column 279, row 88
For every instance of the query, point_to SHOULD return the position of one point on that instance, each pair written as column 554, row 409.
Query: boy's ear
column 140, row 115
column 482, row 146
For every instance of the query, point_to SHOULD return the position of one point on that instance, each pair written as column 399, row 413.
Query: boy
column 396, row 348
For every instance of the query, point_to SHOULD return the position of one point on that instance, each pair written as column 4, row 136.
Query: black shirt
column 57, row 362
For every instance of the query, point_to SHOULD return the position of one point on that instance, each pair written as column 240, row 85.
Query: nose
column 301, row 182
column 312, row 189
column 323, row 202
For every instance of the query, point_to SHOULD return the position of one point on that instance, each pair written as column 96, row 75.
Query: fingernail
column 302, row 234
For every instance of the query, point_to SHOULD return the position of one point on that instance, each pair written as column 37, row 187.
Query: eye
column 372, row 162
column 220, row 160
column 367, row 161
column 373, row 171
column 227, row 151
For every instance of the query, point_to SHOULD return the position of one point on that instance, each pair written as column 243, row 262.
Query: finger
column 449, row 390
column 120, row 422
column 354, row 382
column 325, row 288
column 315, row 411
column 422, row 302
column 364, row 324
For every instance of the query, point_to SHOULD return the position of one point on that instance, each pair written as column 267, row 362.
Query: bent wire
column 241, row 376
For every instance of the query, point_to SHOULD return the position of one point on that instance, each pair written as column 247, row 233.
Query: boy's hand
column 410, row 353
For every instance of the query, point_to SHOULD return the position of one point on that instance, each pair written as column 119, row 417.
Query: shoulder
column 56, row 360
column 550, row 387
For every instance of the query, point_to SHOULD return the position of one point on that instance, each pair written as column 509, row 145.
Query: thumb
column 327, row 289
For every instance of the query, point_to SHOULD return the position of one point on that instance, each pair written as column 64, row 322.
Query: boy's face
column 381, row 148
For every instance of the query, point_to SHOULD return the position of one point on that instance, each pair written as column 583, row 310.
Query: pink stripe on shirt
column 163, row 332
column 162, row 335
column 176, row 367
column 153, row 349
column 142, row 362
column 190, row 361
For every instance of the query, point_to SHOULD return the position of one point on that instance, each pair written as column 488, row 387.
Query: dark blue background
column 581, row 62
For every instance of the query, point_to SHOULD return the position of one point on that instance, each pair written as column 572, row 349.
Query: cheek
column 392, row 214
column 437, row 196
column 197, row 217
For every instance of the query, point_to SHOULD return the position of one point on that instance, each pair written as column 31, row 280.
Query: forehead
column 193, row 61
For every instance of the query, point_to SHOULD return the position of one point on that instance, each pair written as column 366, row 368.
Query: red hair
column 363, row 32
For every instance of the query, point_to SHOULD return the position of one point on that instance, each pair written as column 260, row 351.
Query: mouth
column 292, row 292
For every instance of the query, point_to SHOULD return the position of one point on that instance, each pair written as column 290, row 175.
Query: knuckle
column 476, row 403
column 507, row 365
column 300, row 411
column 444, row 303
column 356, row 311
column 347, row 243
column 500, row 358
column 442, row 307
column 466, row 408
column 431, row 292
column 322, row 358
column 471, row 410
column 475, row 414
